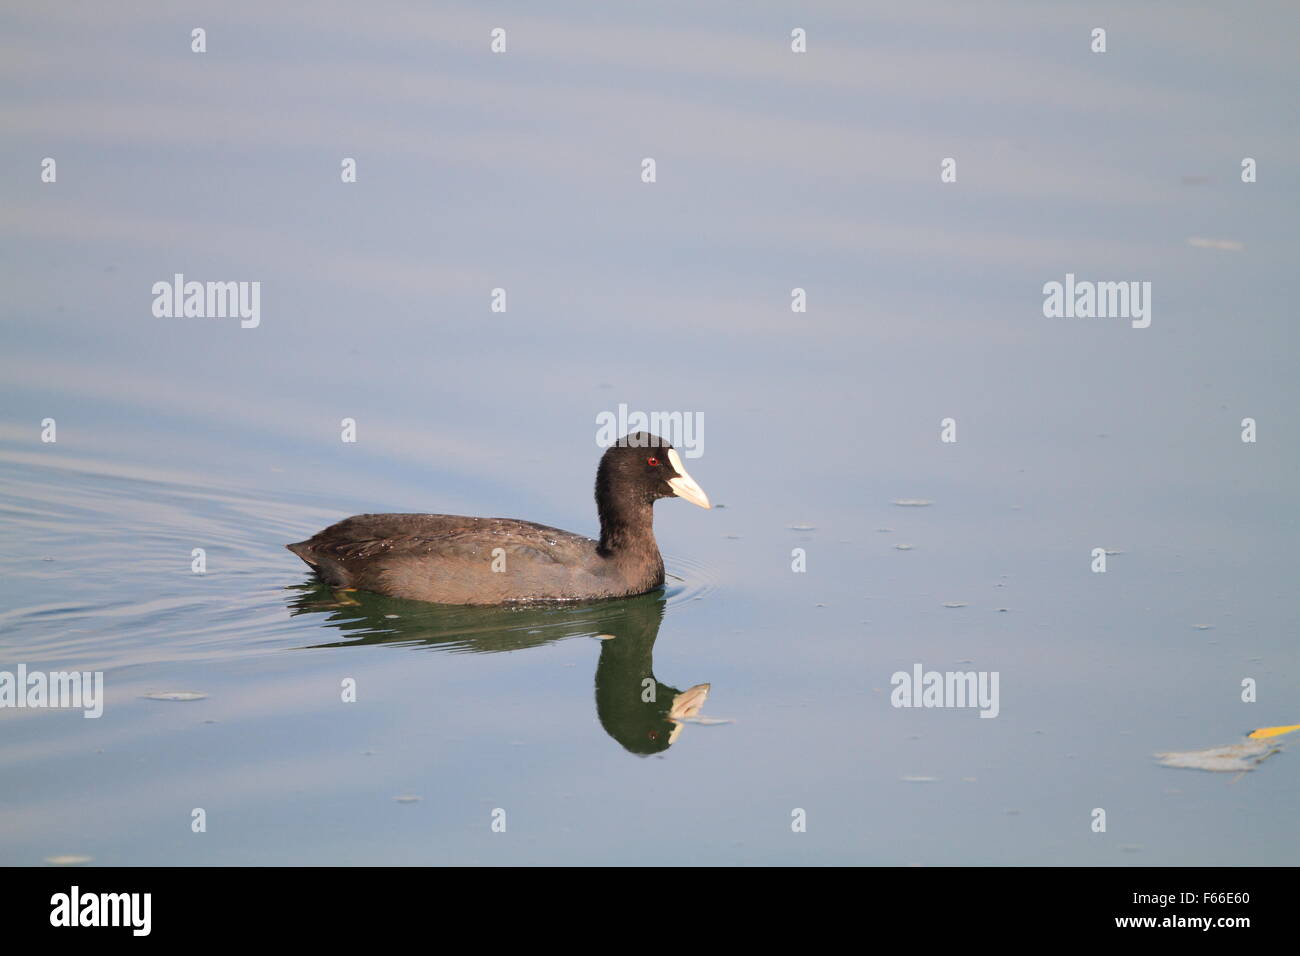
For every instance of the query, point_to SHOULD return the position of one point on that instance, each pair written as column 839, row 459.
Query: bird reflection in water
column 644, row 715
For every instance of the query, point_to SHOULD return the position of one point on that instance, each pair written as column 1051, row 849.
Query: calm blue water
column 775, row 171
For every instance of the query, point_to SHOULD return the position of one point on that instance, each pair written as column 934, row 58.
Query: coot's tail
column 303, row 550
column 330, row 570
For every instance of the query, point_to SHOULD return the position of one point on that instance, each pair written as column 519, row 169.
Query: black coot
column 449, row 559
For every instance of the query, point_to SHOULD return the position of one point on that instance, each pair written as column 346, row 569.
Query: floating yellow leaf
column 1273, row 731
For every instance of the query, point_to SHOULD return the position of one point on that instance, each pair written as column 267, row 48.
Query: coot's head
column 644, row 467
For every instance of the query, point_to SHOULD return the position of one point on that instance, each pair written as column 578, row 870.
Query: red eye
column 652, row 462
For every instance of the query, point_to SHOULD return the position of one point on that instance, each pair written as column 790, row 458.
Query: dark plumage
column 450, row 559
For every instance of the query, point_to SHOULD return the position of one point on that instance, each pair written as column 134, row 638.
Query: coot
column 450, row 559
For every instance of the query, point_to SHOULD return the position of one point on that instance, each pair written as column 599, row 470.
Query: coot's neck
column 627, row 530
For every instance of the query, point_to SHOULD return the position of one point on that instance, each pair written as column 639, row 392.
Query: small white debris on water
column 1227, row 245
column 1234, row 758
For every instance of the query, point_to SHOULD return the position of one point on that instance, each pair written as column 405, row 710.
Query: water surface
column 775, row 172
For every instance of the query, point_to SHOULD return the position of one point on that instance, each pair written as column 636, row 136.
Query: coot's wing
column 445, row 557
